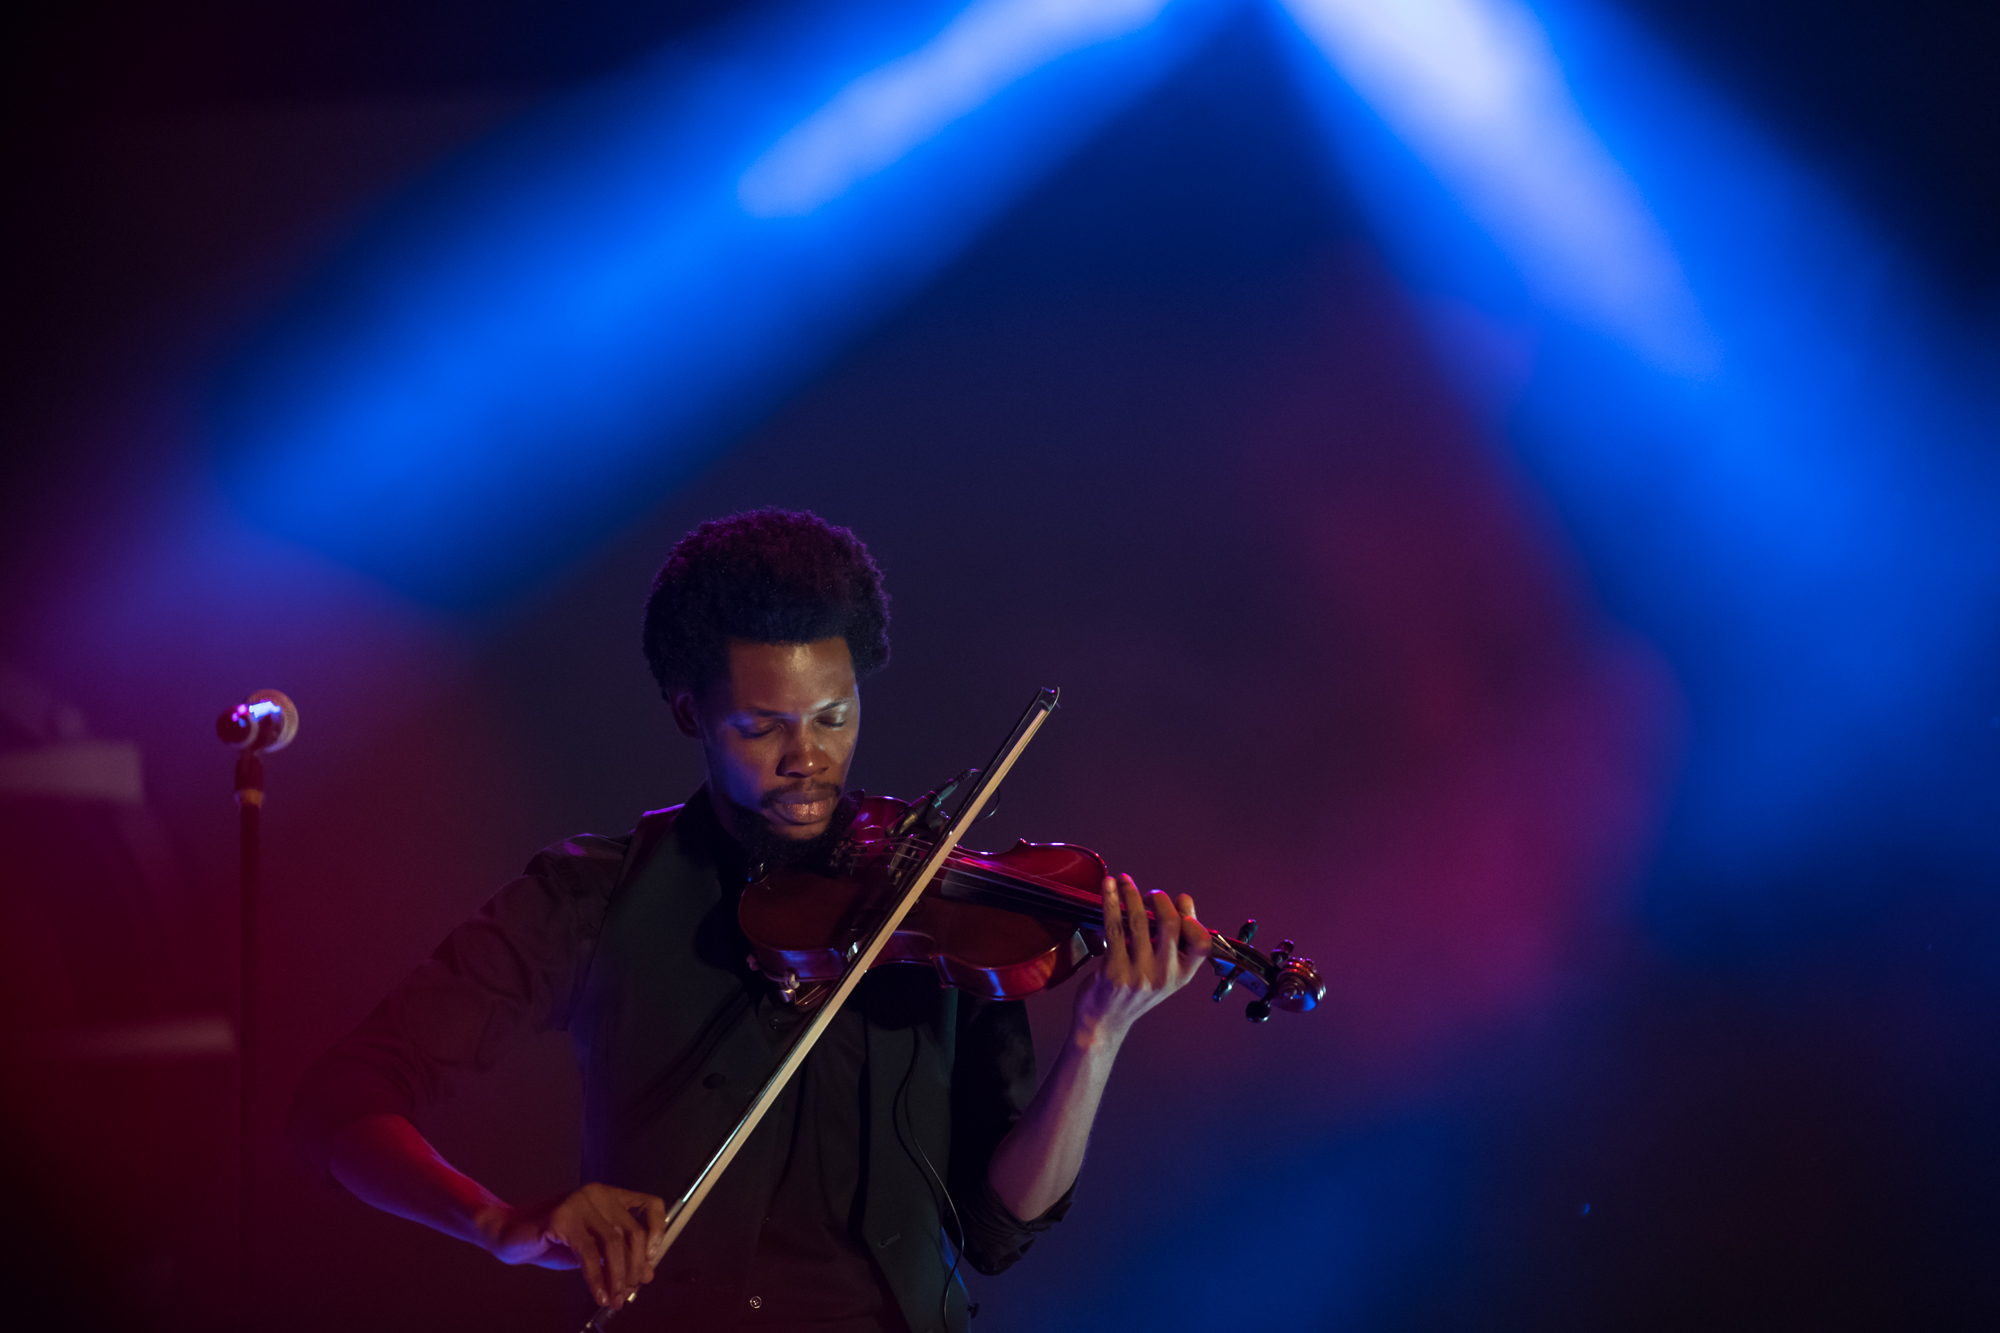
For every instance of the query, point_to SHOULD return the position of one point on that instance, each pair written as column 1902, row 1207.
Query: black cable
column 897, row 1114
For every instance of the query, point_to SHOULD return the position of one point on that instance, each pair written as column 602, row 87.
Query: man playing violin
column 915, row 1132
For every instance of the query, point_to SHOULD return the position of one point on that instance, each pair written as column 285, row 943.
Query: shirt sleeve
column 513, row 968
column 993, row 1076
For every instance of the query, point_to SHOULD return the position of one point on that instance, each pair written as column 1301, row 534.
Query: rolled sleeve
column 995, row 1239
column 513, row 968
column 993, row 1079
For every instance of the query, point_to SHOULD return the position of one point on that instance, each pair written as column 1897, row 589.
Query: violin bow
column 861, row 956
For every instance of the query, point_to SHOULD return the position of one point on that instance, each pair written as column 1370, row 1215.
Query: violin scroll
column 1279, row 980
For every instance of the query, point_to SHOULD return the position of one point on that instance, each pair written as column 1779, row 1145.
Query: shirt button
column 756, row 1302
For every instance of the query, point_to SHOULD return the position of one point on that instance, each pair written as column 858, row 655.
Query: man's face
column 778, row 731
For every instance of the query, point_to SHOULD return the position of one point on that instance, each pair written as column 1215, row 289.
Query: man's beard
column 764, row 846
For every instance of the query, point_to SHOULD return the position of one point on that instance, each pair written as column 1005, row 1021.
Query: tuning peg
column 1257, row 1011
column 1228, row 972
column 1244, row 934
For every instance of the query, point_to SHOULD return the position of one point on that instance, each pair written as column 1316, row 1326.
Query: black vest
column 672, row 1047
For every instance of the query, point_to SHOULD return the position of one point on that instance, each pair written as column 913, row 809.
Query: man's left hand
column 1141, row 967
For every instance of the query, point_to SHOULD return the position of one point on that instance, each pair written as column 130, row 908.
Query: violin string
column 1019, row 889
column 1025, row 892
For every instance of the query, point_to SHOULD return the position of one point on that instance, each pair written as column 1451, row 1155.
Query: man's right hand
column 609, row 1233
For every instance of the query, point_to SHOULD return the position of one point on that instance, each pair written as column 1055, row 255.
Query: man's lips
column 810, row 806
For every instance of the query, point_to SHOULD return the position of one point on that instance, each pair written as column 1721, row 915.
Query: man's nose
column 801, row 758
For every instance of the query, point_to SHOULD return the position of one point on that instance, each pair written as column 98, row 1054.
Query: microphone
column 265, row 722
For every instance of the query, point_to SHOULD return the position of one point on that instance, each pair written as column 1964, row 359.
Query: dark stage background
column 1645, row 1010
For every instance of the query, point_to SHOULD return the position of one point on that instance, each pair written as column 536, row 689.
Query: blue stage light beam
column 881, row 116
column 532, row 347
column 1474, row 88
column 1739, row 397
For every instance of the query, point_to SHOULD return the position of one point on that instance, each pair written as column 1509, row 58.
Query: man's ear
column 685, row 716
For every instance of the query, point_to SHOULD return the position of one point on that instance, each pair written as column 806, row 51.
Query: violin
column 998, row 925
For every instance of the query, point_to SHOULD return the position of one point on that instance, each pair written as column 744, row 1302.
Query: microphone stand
column 267, row 722
column 249, row 816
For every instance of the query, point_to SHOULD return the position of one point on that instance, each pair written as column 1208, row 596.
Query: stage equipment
column 263, row 724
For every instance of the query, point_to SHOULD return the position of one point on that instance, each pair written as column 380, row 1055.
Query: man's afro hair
column 766, row 576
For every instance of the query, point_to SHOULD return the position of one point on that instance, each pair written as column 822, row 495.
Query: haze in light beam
column 875, row 120
column 1474, row 88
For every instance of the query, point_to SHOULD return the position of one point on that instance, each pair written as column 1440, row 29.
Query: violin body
column 999, row 925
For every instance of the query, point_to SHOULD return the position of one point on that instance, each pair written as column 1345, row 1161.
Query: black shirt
column 830, row 1217
column 811, row 1265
